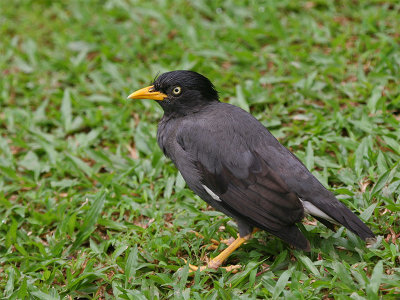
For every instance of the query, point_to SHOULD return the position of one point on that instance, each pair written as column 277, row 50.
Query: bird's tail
column 349, row 220
column 340, row 214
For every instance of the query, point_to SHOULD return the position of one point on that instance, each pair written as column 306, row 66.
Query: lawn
column 90, row 207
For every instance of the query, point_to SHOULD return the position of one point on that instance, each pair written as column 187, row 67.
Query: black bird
column 236, row 165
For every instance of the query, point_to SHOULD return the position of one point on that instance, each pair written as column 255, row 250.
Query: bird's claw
column 213, row 265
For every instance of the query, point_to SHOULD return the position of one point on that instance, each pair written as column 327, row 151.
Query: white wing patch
column 311, row 209
column 211, row 193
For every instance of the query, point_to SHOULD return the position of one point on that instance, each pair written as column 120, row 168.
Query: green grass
column 90, row 208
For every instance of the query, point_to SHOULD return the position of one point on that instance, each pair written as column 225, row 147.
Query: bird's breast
column 166, row 135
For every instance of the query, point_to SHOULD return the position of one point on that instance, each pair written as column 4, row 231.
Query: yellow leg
column 216, row 262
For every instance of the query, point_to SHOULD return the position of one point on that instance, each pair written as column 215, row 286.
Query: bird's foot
column 214, row 264
column 217, row 261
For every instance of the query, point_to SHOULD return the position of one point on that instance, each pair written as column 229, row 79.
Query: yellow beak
column 147, row 93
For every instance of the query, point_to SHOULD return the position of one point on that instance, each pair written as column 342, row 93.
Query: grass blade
column 90, row 221
column 375, row 281
column 281, row 283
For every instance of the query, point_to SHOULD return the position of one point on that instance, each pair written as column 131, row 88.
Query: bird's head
column 179, row 91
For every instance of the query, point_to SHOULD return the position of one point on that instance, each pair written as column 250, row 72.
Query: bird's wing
column 252, row 191
column 244, row 183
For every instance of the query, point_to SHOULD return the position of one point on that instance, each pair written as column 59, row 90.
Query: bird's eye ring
column 177, row 90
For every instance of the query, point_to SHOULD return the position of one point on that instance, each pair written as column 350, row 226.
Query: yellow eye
column 177, row 90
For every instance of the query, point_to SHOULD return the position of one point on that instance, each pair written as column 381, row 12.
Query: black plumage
column 237, row 166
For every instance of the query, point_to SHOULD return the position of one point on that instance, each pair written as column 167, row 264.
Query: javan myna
column 236, row 165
